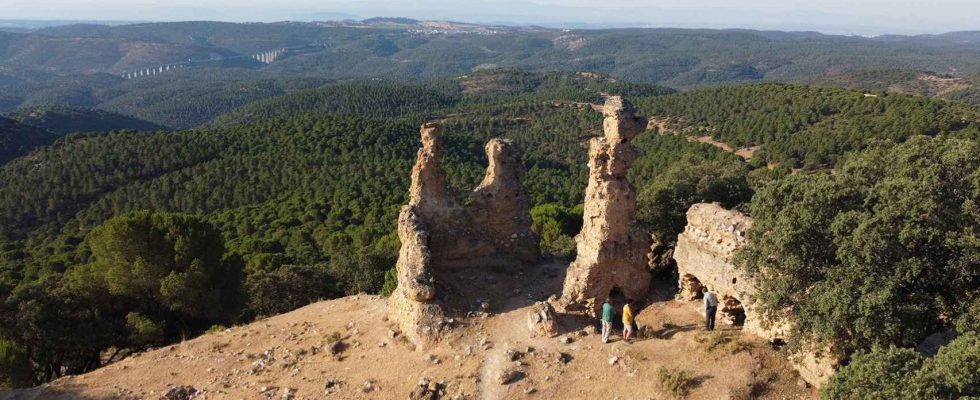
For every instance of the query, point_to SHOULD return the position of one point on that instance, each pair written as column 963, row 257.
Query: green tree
column 15, row 366
column 556, row 225
column 883, row 251
column 287, row 288
column 903, row 374
column 662, row 203
column 172, row 265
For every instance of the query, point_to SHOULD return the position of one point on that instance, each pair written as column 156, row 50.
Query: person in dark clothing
column 710, row 308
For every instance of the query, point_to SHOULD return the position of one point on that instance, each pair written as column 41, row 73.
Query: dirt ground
column 294, row 355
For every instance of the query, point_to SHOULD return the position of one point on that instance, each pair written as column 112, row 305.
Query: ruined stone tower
column 439, row 233
column 611, row 248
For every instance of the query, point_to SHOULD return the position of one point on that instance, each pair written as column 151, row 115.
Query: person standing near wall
column 710, row 308
column 607, row 319
column 628, row 320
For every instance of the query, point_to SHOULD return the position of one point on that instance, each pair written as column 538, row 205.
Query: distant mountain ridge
column 407, row 48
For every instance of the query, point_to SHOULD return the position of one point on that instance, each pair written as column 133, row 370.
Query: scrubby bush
column 899, row 373
column 676, row 382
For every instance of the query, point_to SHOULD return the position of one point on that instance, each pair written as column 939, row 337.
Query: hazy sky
column 866, row 17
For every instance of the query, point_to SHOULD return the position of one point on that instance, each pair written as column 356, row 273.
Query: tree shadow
column 66, row 392
column 698, row 381
column 669, row 330
column 469, row 292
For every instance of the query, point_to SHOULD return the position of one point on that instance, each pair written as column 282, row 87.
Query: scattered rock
column 613, row 360
column 181, row 393
column 428, row 390
column 542, row 320
column 510, row 375
column 332, row 385
column 369, row 386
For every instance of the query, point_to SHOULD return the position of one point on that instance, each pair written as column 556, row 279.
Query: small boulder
column 181, row 393
column 510, row 375
column 428, row 390
column 542, row 320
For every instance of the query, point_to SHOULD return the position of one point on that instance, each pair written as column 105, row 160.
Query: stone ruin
column 611, row 249
column 704, row 258
column 442, row 231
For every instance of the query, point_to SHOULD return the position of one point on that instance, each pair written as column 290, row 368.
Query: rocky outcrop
column 611, row 250
column 542, row 320
column 704, row 259
column 439, row 233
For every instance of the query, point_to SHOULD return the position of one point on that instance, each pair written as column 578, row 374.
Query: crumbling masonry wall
column 704, row 258
column 438, row 232
column 611, row 249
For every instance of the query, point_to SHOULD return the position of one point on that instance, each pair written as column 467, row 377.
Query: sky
column 859, row 17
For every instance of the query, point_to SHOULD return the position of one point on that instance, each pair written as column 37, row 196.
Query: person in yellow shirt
column 628, row 320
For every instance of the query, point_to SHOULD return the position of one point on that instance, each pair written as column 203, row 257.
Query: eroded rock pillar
column 612, row 250
column 441, row 234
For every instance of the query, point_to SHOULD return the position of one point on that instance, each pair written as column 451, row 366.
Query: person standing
column 628, row 320
column 607, row 319
column 710, row 308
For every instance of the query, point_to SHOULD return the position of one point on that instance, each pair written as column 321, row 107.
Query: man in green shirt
column 607, row 319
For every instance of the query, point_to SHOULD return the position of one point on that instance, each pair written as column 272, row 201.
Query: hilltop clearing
column 297, row 352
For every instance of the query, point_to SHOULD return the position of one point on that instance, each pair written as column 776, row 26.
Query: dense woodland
column 810, row 127
column 279, row 202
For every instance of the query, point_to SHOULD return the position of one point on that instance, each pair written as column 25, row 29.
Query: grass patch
column 334, row 337
column 676, row 382
column 714, row 340
column 735, row 346
column 218, row 346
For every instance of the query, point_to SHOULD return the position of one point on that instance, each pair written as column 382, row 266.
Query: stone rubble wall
column 438, row 232
column 704, row 258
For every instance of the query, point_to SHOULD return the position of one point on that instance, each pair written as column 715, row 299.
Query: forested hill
column 17, row 139
column 677, row 57
column 184, row 75
column 27, row 129
column 924, row 83
column 803, row 126
column 441, row 96
column 63, row 120
column 184, row 99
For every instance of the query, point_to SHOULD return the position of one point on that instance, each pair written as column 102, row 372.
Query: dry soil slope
column 291, row 353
